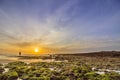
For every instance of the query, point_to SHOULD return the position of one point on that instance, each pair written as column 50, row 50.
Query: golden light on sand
column 36, row 50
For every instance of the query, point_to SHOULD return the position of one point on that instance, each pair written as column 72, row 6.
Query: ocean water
column 7, row 59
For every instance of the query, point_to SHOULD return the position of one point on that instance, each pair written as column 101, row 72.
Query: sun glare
column 36, row 50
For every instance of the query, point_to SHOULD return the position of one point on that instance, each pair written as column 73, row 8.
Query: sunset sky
column 59, row 26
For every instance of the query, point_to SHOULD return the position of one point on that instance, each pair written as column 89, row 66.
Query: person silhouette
column 19, row 53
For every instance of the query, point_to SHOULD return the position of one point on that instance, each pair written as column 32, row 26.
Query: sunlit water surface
column 7, row 59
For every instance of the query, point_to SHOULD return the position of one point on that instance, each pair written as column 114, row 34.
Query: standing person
column 19, row 53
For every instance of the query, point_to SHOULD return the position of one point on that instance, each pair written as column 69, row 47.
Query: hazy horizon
column 59, row 26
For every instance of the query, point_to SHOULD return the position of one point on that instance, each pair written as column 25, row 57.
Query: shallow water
column 117, row 71
column 7, row 59
column 19, row 79
column 102, row 71
column 6, row 70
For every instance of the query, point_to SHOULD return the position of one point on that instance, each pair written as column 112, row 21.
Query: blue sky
column 59, row 25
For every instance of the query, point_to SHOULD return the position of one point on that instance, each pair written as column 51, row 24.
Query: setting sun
column 36, row 50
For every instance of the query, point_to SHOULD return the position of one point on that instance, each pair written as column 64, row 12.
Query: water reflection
column 7, row 59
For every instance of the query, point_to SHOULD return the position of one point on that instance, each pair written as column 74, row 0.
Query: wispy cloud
column 64, row 25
